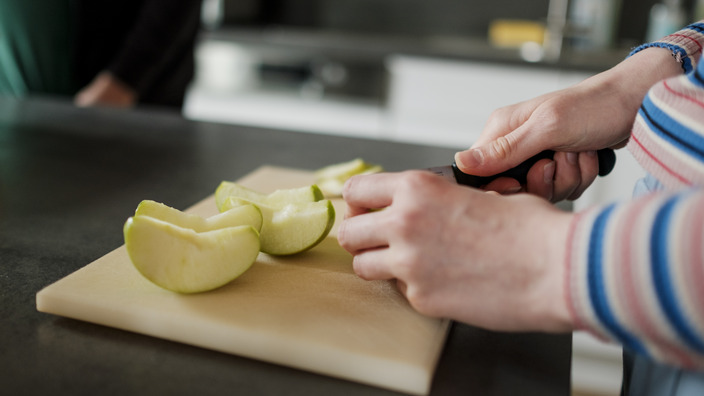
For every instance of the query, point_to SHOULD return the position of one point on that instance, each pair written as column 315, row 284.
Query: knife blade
column 606, row 157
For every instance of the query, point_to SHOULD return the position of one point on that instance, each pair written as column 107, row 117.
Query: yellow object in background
column 510, row 33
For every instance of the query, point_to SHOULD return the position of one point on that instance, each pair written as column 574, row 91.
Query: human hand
column 456, row 252
column 106, row 90
column 595, row 114
column 560, row 121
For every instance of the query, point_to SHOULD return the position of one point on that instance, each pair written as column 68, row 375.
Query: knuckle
column 498, row 117
column 565, row 191
column 406, row 222
column 410, row 268
column 575, row 195
column 421, row 301
column 342, row 236
column 349, row 186
column 359, row 268
column 503, row 146
column 418, row 184
column 412, row 180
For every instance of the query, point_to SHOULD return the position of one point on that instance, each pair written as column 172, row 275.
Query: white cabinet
column 446, row 103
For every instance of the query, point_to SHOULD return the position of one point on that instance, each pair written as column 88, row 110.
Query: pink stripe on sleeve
column 652, row 162
column 695, row 263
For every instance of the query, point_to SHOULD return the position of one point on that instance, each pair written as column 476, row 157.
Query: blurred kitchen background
column 421, row 71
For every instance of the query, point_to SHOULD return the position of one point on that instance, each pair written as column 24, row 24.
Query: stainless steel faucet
column 556, row 29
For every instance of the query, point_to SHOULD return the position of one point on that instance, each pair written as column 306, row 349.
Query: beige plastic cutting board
column 308, row 311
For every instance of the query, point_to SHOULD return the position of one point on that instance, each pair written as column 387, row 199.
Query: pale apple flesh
column 187, row 253
column 185, row 261
column 341, row 170
column 241, row 215
column 331, row 179
column 281, row 197
column 291, row 228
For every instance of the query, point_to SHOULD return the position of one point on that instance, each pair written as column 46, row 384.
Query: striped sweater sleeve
column 686, row 45
column 636, row 275
column 636, row 269
column 667, row 137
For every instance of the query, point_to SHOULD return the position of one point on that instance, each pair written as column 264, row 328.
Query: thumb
column 495, row 156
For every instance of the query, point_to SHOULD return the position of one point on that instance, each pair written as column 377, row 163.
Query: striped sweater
column 636, row 269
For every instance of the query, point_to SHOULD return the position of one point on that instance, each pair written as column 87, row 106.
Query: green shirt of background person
column 117, row 53
column 36, row 56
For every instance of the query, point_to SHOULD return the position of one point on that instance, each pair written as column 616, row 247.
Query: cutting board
column 308, row 311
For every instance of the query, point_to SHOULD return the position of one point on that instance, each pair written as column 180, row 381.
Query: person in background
column 629, row 272
column 112, row 53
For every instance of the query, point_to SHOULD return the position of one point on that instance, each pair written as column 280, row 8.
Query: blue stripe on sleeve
column 662, row 277
column 597, row 287
column 668, row 128
column 686, row 62
column 697, row 76
column 698, row 26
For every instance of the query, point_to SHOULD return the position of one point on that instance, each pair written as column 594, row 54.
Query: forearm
column 635, row 275
column 650, row 63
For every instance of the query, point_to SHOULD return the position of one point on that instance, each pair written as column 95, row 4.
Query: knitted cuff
column 686, row 45
column 577, row 291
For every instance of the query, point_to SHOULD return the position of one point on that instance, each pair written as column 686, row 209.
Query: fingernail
column 548, row 175
column 591, row 153
column 469, row 159
column 549, row 172
column 572, row 158
column 513, row 190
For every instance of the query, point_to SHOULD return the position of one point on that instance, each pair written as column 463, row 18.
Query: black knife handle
column 607, row 160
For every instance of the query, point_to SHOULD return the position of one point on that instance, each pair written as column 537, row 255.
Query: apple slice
column 187, row 253
column 185, row 261
column 290, row 228
column 277, row 198
column 341, row 170
column 241, row 215
column 331, row 179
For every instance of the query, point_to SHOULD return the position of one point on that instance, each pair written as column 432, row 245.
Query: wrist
column 637, row 74
column 558, row 312
column 626, row 84
column 546, row 305
column 654, row 64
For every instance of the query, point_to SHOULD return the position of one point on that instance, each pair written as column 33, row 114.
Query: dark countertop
column 69, row 177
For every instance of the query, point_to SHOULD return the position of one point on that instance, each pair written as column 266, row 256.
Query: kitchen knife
column 607, row 160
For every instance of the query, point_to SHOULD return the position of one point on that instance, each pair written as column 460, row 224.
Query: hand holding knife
column 607, row 160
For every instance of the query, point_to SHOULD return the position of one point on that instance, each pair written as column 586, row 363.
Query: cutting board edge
column 421, row 377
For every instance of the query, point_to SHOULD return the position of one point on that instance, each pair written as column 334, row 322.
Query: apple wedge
column 187, row 253
column 281, row 197
column 241, row 215
column 343, row 170
column 290, row 228
column 331, row 179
